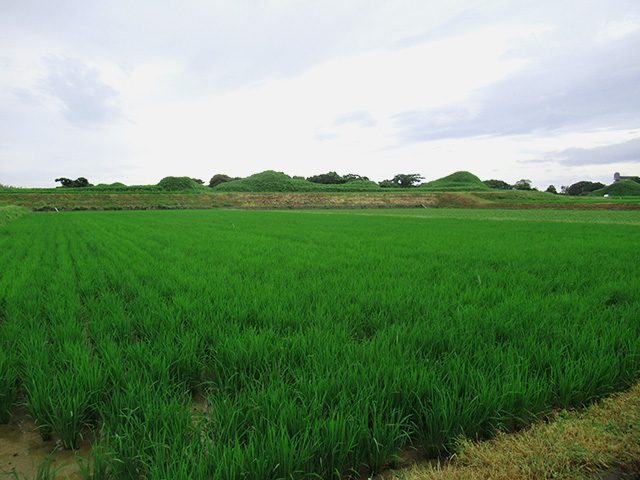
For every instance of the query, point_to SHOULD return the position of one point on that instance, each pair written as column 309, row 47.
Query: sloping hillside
column 623, row 188
column 456, row 182
column 272, row 182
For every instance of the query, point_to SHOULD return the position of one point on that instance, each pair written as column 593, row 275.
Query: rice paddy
column 311, row 344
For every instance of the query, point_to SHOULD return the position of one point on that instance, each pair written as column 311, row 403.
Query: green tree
column 498, row 184
column 552, row 189
column 583, row 187
column 387, row 184
column 352, row 177
column 66, row 182
column 402, row 180
column 523, row 184
column 178, row 183
column 331, row 178
column 407, row 180
column 219, row 178
column 77, row 183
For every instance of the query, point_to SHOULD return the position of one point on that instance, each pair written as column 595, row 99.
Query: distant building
column 617, row 177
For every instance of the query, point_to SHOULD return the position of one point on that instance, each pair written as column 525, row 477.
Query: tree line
column 400, row 180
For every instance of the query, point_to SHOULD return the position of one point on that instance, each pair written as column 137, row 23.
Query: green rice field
column 228, row 344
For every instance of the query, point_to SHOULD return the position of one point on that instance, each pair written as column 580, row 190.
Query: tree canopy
column 402, row 180
column 219, row 178
column 498, row 184
column 77, row 183
column 523, row 184
column 583, row 187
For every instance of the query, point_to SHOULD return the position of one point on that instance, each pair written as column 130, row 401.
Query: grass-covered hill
column 456, row 182
column 180, row 184
column 271, row 181
column 623, row 188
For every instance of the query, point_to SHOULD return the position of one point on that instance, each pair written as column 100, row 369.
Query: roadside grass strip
column 314, row 345
column 571, row 445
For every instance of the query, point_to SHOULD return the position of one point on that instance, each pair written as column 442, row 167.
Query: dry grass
column 573, row 445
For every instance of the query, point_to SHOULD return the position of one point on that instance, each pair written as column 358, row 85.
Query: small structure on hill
column 617, row 177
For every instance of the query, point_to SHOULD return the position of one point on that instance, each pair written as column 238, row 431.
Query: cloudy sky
column 133, row 91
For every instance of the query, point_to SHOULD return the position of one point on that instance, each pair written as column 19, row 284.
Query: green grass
column 623, row 188
column 321, row 342
column 631, row 217
column 10, row 213
column 270, row 181
column 599, row 442
column 456, row 182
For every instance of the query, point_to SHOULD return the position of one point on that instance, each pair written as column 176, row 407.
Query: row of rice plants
column 326, row 343
column 20, row 298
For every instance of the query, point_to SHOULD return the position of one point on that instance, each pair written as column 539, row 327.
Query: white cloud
column 369, row 87
column 84, row 99
column 615, row 29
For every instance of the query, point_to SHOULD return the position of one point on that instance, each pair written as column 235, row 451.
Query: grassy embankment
column 10, row 213
column 271, row 189
column 415, row 198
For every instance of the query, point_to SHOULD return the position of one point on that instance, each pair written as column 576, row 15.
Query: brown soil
column 22, row 450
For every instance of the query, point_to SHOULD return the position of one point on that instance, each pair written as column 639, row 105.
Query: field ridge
column 413, row 199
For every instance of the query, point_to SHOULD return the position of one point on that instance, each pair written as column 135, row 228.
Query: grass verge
column 10, row 213
column 602, row 441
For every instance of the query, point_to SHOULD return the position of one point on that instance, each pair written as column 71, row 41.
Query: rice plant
column 8, row 383
column 320, row 343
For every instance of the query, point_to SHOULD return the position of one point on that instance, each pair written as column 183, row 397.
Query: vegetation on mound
column 456, row 182
column 272, row 181
column 179, row 184
column 104, row 186
column 583, row 187
column 623, row 188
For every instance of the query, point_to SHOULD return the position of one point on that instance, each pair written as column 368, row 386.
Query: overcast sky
column 133, row 91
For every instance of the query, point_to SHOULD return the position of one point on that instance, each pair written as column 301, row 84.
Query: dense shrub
column 583, row 187
column 174, row 184
column 271, row 181
column 219, row 178
column 79, row 182
column 498, row 184
column 331, row 178
column 268, row 181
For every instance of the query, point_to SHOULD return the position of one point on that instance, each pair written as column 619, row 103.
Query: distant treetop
column 77, row 183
